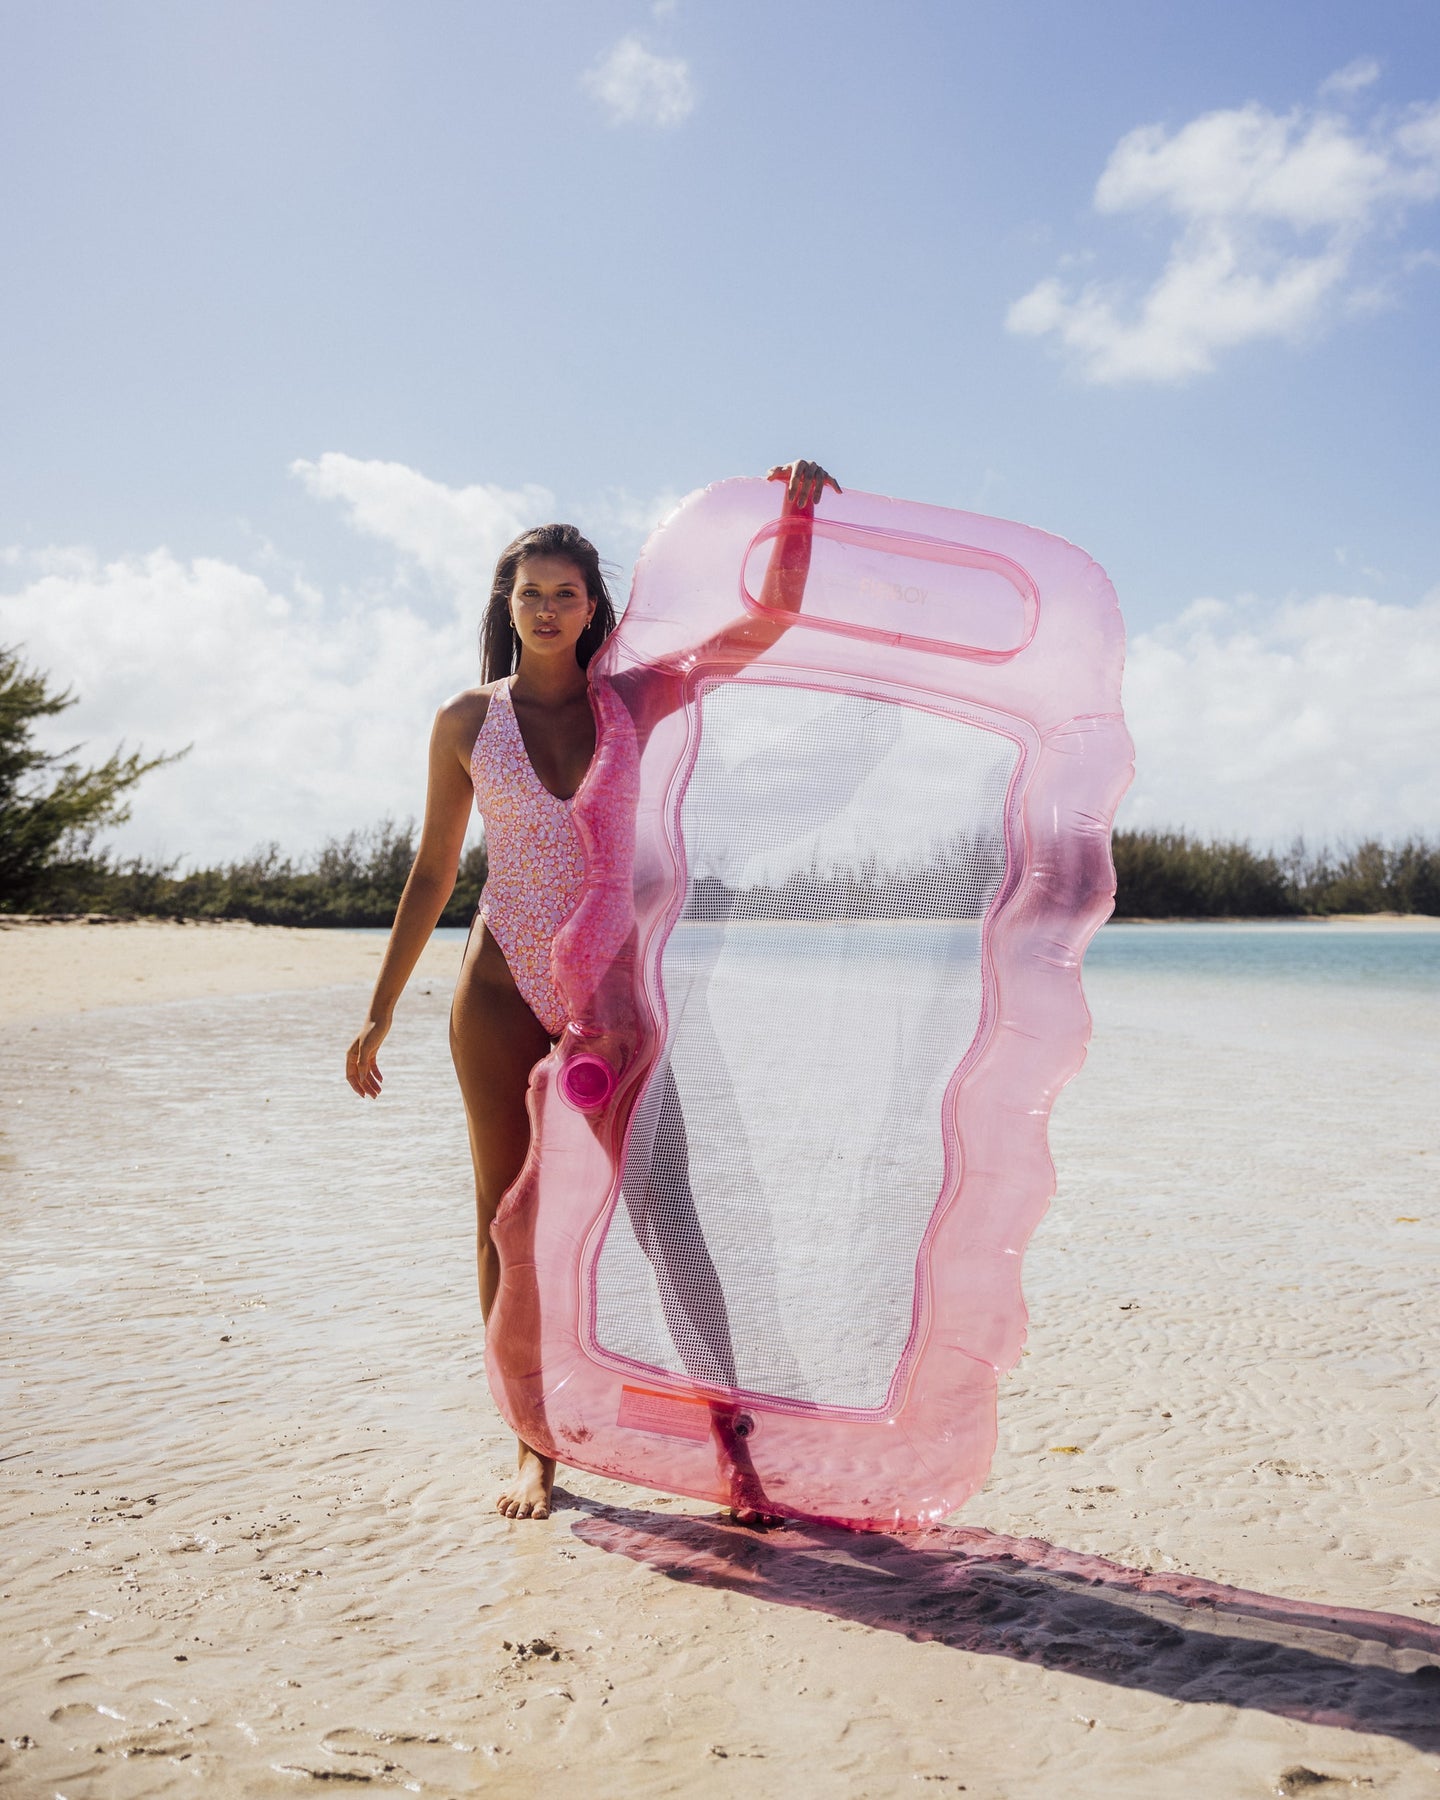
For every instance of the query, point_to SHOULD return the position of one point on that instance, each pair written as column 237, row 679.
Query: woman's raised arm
column 782, row 591
column 783, row 585
column 448, row 797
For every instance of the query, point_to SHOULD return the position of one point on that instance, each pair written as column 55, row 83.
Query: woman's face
column 549, row 605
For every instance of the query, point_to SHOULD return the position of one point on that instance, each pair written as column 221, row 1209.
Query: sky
column 308, row 309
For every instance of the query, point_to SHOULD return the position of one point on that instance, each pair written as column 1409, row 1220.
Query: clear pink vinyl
column 847, row 835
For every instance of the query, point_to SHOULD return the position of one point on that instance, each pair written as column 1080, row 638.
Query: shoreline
column 53, row 967
column 1385, row 921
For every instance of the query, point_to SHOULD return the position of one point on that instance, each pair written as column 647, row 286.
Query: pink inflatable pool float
column 847, row 835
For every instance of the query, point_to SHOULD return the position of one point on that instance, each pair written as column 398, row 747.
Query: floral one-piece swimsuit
column 537, row 866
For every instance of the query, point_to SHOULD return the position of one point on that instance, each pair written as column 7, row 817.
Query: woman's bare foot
column 528, row 1495
column 754, row 1520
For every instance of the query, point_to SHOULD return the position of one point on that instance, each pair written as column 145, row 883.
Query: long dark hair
column 499, row 645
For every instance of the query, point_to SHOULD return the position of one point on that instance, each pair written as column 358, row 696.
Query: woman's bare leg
column 667, row 1228
column 496, row 1041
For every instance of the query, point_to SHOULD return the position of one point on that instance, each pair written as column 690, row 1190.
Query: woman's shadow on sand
column 1174, row 1635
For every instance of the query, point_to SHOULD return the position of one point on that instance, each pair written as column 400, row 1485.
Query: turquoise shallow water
column 1311, row 954
column 1315, row 955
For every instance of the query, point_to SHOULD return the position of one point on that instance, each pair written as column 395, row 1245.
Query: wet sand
column 61, row 968
column 250, row 1461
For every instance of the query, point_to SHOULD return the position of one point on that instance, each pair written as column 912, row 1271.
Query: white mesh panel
column 822, row 987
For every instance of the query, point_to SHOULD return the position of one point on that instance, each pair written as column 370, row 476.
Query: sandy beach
column 50, row 970
column 249, row 1458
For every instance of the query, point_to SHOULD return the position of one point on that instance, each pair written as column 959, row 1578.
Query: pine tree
column 50, row 805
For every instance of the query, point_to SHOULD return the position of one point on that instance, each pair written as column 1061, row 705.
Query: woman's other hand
column 361, row 1069
column 804, row 481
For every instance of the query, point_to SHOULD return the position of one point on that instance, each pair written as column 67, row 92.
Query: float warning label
column 667, row 1415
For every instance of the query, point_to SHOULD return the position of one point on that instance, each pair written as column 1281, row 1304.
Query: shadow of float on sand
column 1174, row 1635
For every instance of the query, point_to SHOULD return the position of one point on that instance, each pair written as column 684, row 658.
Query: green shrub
column 1370, row 877
column 355, row 880
column 51, row 806
column 1170, row 875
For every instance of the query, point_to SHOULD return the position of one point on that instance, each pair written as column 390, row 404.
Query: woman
column 519, row 746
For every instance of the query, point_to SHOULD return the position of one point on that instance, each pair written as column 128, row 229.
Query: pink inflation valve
column 587, row 1081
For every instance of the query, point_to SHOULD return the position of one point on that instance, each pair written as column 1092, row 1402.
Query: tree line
column 52, row 809
column 1174, row 875
column 1159, row 875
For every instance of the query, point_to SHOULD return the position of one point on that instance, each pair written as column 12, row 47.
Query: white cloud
column 1316, row 716
column 307, row 717
column 621, row 518
column 309, row 711
column 454, row 534
column 637, row 87
column 1364, row 72
column 1270, row 213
